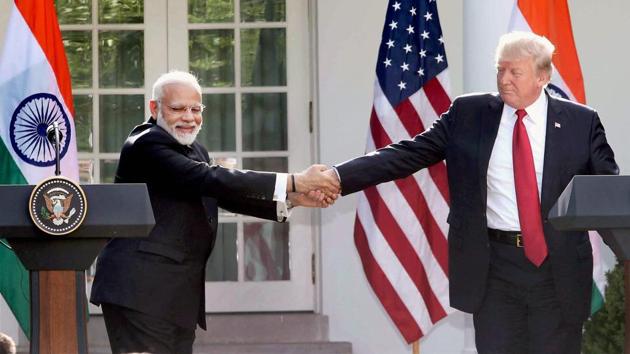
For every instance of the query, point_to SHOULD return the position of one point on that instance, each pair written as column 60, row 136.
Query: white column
column 484, row 22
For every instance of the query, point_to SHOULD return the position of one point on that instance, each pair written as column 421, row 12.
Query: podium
column 57, row 263
column 599, row 203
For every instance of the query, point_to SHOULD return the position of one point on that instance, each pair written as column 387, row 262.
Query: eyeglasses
column 194, row 110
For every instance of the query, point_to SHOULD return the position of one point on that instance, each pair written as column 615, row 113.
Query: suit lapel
column 489, row 126
column 552, row 166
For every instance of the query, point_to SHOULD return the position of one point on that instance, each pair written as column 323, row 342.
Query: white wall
column 349, row 34
column 601, row 32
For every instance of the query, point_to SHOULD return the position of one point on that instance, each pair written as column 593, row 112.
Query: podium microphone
column 55, row 136
column 50, row 133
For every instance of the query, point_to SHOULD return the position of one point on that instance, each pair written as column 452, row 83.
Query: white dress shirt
column 501, row 211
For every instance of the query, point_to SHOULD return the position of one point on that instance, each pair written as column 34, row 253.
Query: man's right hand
column 312, row 199
column 317, row 178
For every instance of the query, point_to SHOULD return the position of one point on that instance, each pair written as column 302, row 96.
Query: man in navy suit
column 509, row 156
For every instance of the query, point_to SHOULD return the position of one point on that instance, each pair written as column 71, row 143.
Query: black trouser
column 133, row 331
column 520, row 313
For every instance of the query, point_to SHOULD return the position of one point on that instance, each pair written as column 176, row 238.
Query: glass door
column 251, row 57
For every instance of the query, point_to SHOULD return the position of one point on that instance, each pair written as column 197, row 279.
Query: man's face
column 519, row 82
column 179, row 112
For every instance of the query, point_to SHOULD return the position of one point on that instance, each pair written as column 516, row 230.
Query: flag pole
column 416, row 347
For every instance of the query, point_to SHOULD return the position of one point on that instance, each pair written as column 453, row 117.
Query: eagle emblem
column 58, row 206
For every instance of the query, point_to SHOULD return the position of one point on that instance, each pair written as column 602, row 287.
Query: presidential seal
column 57, row 206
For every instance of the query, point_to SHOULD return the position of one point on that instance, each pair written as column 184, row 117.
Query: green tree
column 604, row 331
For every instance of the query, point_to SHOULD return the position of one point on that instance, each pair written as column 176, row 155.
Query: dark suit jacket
column 464, row 137
column 164, row 274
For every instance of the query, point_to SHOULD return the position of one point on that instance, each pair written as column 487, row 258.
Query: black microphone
column 50, row 134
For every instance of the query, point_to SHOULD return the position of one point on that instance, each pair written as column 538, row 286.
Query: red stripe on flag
column 440, row 178
column 378, row 135
column 404, row 251
column 409, row 118
column 383, row 289
column 41, row 17
column 417, row 202
column 438, row 98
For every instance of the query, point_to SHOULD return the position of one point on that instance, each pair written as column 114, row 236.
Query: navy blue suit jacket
column 164, row 275
column 464, row 137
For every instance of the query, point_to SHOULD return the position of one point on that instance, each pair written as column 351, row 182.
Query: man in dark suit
column 152, row 290
column 509, row 156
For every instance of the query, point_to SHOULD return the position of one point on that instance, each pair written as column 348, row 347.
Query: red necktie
column 527, row 193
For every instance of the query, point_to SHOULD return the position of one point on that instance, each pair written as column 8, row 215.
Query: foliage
column 121, row 11
column 121, row 59
column 74, row 11
column 206, row 11
column 43, row 212
column 263, row 10
column 212, row 57
column 83, row 121
column 78, row 45
column 604, row 331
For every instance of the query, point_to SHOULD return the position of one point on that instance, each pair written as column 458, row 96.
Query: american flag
column 400, row 228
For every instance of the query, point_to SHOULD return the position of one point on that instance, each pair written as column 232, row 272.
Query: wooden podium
column 599, row 203
column 57, row 263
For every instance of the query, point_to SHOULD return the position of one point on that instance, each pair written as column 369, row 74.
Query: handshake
column 317, row 186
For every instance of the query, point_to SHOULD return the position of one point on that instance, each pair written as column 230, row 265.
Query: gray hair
column 518, row 45
column 174, row 77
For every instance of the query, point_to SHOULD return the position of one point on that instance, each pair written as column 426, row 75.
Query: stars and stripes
column 400, row 229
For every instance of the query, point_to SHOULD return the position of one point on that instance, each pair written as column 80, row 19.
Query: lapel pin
column 557, row 125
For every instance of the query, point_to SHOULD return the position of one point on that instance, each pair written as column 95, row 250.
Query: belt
column 513, row 238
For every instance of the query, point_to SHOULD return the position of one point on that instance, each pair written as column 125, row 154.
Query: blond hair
column 519, row 45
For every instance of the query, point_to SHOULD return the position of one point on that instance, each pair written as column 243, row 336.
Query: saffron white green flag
column 35, row 91
column 552, row 20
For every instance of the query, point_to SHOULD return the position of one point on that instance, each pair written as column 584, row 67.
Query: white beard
column 182, row 138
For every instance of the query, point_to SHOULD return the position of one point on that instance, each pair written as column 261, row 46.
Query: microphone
column 53, row 133
column 50, row 133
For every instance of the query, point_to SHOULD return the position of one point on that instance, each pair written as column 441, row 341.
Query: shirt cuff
column 280, row 191
column 280, row 196
column 283, row 211
column 337, row 173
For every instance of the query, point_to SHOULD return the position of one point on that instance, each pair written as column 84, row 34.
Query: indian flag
column 35, row 92
column 552, row 20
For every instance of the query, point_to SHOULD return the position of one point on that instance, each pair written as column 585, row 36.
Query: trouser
column 521, row 313
column 131, row 331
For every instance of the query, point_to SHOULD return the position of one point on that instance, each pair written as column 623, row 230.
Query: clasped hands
column 317, row 186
